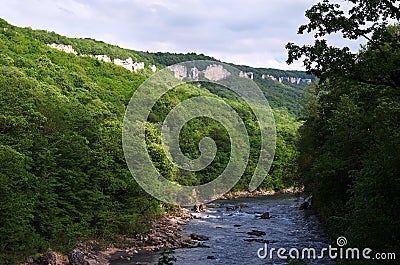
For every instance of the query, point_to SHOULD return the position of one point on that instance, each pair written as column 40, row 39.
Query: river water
column 227, row 227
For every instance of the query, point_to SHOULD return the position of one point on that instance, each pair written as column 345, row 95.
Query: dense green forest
column 63, row 176
column 350, row 141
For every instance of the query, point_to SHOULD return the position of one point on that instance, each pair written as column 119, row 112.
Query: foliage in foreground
column 350, row 142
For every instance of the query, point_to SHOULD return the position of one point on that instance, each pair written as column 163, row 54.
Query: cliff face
column 216, row 72
column 62, row 47
column 180, row 71
column 128, row 64
column 293, row 80
column 246, row 74
column 213, row 72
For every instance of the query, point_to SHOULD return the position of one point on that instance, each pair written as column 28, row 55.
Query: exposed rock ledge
column 164, row 234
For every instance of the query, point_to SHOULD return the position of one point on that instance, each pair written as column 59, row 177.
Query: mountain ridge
column 282, row 88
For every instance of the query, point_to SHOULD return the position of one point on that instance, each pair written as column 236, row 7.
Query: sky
column 248, row 32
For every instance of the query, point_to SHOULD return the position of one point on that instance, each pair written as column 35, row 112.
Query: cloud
column 252, row 32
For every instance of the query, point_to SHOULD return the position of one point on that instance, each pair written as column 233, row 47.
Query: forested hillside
column 279, row 94
column 63, row 176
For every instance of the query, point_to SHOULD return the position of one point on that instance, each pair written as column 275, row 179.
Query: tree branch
column 395, row 10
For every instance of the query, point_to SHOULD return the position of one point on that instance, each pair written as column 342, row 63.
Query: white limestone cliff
column 104, row 58
column 179, row 71
column 128, row 64
column 62, row 47
column 215, row 72
column 246, row 75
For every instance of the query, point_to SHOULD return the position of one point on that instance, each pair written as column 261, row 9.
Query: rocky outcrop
column 180, row 71
column 281, row 79
column 103, row 58
column 63, row 48
column 246, row 75
column 216, row 72
column 268, row 76
column 213, row 72
column 128, row 64
column 194, row 73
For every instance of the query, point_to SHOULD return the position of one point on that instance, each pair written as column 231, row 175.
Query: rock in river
column 265, row 215
column 198, row 237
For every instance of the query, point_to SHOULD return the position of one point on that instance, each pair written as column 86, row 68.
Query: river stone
column 265, row 215
column 199, row 208
column 202, row 245
column 198, row 237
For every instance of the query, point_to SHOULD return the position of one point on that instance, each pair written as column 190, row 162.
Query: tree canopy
column 350, row 141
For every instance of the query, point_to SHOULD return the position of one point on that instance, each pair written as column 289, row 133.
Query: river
column 227, row 223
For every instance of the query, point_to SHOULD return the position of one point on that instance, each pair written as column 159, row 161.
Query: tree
column 367, row 19
column 349, row 142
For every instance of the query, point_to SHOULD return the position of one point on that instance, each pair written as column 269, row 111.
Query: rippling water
column 229, row 242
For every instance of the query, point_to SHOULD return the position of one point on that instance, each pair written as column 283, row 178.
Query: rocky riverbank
column 232, row 231
column 261, row 193
column 165, row 233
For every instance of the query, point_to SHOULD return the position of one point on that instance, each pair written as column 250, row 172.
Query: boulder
column 265, row 215
column 77, row 257
column 307, row 203
column 198, row 237
column 199, row 208
column 201, row 245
